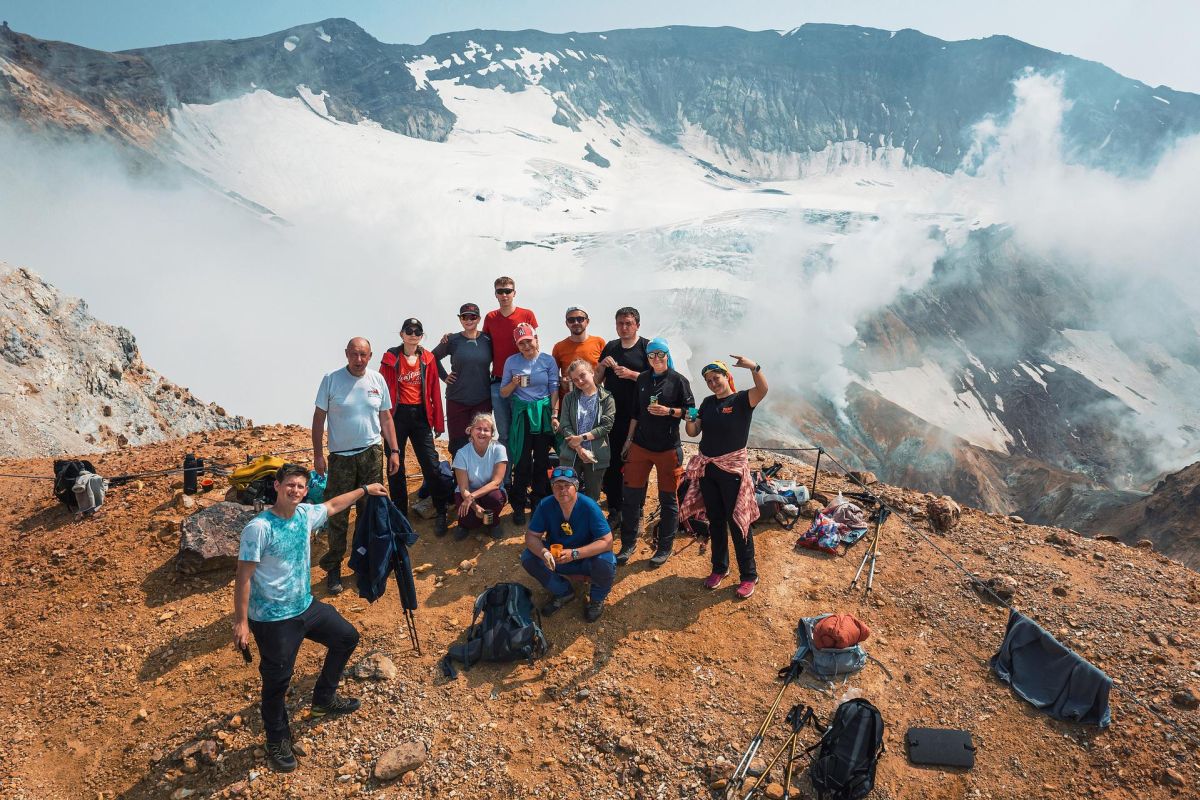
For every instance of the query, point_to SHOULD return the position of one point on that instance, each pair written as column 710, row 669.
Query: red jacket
column 432, row 383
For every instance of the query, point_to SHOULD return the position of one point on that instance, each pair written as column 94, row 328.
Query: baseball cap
column 412, row 323
column 523, row 331
column 468, row 308
column 567, row 474
column 580, row 309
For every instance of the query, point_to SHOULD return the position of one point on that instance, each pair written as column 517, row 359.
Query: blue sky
column 1151, row 41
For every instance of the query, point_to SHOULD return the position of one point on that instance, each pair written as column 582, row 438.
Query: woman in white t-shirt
column 479, row 472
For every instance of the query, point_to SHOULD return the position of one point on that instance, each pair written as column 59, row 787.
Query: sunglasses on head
column 563, row 472
column 505, row 291
column 574, row 320
column 656, row 354
column 712, row 368
column 412, row 332
column 468, row 317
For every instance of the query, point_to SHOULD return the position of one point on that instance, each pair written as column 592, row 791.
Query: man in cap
column 355, row 404
column 568, row 535
column 576, row 346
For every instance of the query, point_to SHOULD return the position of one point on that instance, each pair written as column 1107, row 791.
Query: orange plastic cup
column 556, row 550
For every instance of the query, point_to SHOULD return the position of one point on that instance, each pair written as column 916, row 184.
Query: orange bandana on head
column 719, row 366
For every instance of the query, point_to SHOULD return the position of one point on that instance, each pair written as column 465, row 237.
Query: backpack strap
column 479, row 601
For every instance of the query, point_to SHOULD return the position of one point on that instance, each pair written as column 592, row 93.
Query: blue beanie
column 659, row 344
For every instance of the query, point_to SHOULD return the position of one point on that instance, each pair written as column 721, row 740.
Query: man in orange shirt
column 577, row 345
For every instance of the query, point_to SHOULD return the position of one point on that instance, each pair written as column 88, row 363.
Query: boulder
column 943, row 512
column 400, row 760
column 375, row 666
column 864, row 477
column 208, row 539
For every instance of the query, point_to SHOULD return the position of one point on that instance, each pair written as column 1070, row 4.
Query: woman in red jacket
column 411, row 373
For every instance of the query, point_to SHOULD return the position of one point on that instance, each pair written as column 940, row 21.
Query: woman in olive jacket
column 584, row 422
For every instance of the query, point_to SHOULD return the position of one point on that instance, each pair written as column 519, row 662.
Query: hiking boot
column 495, row 532
column 555, row 603
column 593, row 611
column 280, row 756
column 518, row 517
column 461, row 533
column 625, row 553
column 714, row 580
column 439, row 524
column 333, row 581
column 338, row 705
column 659, row 558
column 746, row 588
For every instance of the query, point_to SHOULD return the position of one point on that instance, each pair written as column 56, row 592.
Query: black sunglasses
column 505, row 291
column 574, row 320
column 413, row 332
column 468, row 316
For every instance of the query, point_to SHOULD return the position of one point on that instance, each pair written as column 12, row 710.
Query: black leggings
column 412, row 425
column 279, row 642
column 531, row 483
column 720, row 490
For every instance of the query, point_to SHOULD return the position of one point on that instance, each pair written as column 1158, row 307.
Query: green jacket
column 568, row 413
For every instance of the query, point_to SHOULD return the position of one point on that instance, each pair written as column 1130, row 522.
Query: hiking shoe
column 518, row 516
column 555, row 603
column 593, row 610
column 746, row 588
column 659, row 558
column 333, row 581
column 495, row 532
column 439, row 524
column 338, row 705
column 625, row 553
column 714, row 580
column 461, row 533
column 280, row 755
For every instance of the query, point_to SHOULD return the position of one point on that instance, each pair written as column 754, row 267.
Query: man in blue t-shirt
column 272, row 598
column 575, row 524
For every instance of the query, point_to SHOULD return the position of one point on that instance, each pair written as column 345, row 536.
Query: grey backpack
column 827, row 663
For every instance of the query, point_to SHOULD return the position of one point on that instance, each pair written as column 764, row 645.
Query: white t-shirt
column 353, row 405
column 479, row 467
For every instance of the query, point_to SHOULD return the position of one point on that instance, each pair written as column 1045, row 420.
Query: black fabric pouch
column 940, row 746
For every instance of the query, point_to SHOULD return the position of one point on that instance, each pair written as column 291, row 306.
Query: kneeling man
column 272, row 598
column 568, row 535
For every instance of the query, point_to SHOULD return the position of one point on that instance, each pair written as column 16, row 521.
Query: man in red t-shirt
column 499, row 325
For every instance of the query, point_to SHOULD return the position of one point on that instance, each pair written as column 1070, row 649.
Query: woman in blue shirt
column 530, row 378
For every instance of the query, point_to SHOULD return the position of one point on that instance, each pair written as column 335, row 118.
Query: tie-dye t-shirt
column 281, row 586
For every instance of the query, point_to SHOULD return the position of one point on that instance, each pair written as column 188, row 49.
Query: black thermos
column 191, row 470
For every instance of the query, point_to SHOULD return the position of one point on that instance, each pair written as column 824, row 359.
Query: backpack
column 827, row 663
column 256, row 481
column 844, row 766
column 65, row 475
column 508, row 631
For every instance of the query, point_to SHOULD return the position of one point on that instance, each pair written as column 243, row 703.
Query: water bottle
column 191, row 469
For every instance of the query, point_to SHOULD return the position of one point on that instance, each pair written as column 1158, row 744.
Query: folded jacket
column 839, row 631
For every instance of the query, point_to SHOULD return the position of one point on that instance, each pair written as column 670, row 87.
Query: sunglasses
column 574, row 320
column 712, row 368
column 563, row 472
column 413, row 332
column 468, row 317
column 505, row 291
column 657, row 354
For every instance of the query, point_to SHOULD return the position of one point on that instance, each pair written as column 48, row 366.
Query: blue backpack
column 827, row 663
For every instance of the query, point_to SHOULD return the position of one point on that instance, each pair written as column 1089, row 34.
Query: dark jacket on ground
column 1050, row 676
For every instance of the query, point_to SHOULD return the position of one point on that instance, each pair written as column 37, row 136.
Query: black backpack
column 509, row 631
column 844, row 766
column 65, row 473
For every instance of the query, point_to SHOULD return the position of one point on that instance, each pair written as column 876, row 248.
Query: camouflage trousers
column 346, row 473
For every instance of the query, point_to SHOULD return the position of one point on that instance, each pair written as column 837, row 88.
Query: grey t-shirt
column 471, row 361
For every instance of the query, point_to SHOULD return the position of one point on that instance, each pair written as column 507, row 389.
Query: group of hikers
column 611, row 411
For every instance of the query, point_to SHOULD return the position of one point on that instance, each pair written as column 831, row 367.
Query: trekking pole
column 816, row 469
column 789, row 674
column 797, row 720
column 796, row 717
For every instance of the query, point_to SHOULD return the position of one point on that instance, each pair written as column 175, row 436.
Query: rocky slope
column 1169, row 517
column 72, row 384
column 122, row 681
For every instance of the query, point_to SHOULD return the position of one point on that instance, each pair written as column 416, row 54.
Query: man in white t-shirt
column 355, row 404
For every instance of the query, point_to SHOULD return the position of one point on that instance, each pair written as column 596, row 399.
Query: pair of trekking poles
column 797, row 717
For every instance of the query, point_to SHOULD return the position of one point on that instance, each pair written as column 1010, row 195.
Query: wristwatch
column 757, row 368
column 574, row 555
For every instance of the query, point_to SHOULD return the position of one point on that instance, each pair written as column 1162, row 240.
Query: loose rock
column 399, row 760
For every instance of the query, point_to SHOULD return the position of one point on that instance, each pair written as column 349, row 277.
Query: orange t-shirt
column 567, row 351
column 408, row 384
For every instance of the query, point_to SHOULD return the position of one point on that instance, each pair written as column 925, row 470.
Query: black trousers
column 720, row 490
column 531, row 483
column 614, row 486
column 279, row 642
column 412, row 425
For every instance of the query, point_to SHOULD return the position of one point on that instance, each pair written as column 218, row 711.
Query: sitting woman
column 585, row 419
column 479, row 472
column 719, row 475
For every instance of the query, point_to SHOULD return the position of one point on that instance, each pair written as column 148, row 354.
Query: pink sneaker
column 714, row 580
column 746, row 588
